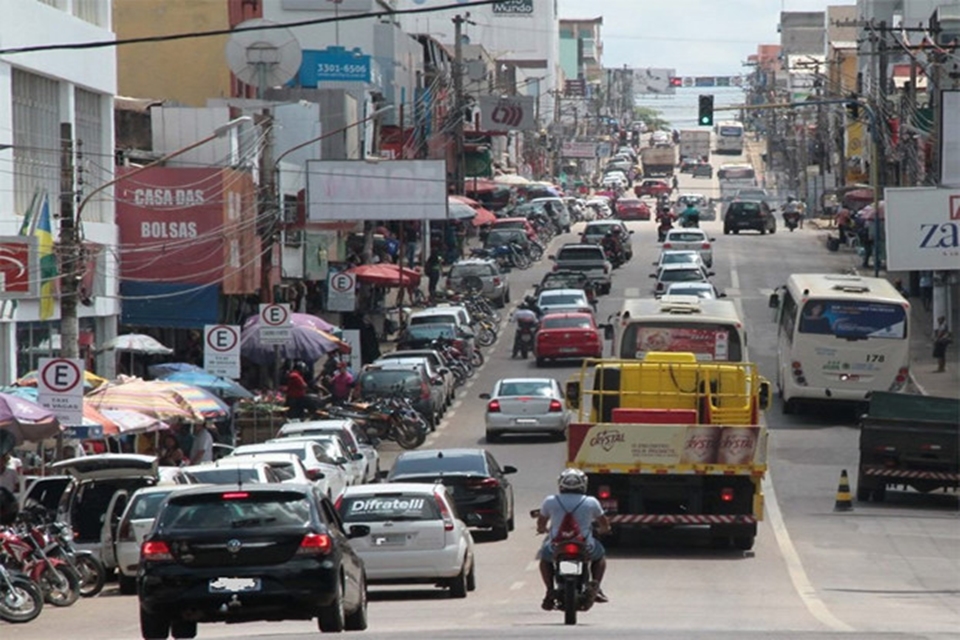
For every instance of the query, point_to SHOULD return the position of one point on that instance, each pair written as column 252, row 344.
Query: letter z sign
column 221, row 350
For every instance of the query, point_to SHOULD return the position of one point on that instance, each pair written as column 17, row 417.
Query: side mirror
column 652, row 275
column 572, row 392
column 508, row 469
column 484, row 396
column 713, row 239
column 763, row 395
column 720, row 294
column 711, row 273
column 356, row 456
column 551, row 257
column 315, row 474
column 341, row 461
column 607, row 331
column 358, row 531
column 774, row 301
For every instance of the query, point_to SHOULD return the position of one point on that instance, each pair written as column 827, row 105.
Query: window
column 553, row 322
column 538, row 389
column 853, row 319
column 788, row 316
column 257, row 510
column 389, row 506
column 36, row 138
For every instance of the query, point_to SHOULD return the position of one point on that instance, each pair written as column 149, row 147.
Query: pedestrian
column 926, row 289
column 898, row 285
column 296, row 393
column 941, row 340
column 412, row 239
column 171, row 455
column 866, row 243
column 843, row 224
column 675, row 185
column 434, row 268
column 342, row 383
column 202, row 450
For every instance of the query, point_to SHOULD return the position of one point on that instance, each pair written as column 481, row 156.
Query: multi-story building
column 40, row 92
column 581, row 50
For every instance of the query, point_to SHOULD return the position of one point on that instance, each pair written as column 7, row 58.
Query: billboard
column 650, row 80
column 19, row 267
column 189, row 225
column 513, row 8
column 514, row 113
column 334, row 64
column 922, row 226
column 371, row 190
column 579, row 150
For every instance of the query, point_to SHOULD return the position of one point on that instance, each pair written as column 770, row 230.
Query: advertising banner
column 19, row 267
column 579, row 150
column 514, row 113
column 654, row 81
column 513, row 8
column 922, row 228
column 706, row 344
column 637, row 445
column 854, row 150
column 333, row 64
column 387, row 190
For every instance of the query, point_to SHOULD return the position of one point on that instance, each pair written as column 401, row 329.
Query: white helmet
column 572, row 481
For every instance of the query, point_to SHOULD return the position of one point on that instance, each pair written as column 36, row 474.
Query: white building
column 39, row 91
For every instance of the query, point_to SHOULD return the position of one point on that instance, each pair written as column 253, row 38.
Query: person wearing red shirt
column 296, row 393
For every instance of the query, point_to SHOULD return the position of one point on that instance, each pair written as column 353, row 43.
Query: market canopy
column 306, row 343
column 90, row 380
column 385, row 275
column 154, row 398
column 26, row 420
column 481, row 216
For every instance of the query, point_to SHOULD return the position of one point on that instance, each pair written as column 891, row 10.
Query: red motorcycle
column 28, row 549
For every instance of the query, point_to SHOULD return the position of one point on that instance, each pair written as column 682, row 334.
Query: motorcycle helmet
column 572, row 481
column 530, row 300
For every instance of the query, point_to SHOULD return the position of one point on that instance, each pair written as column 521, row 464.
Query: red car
column 567, row 335
column 515, row 223
column 653, row 188
column 632, row 209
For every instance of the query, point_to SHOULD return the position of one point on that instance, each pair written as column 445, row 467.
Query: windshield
column 736, row 174
column 563, row 299
column 679, row 257
column 388, row 506
column 467, row 270
column 385, row 381
column 853, row 319
column 685, row 237
column 731, row 132
column 433, row 318
column 584, row 253
column 224, row 475
column 681, row 275
column 430, row 332
column 707, row 341
column 213, row 512
column 147, row 505
column 435, row 465
column 537, row 388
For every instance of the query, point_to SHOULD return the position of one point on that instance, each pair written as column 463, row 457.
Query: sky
column 695, row 37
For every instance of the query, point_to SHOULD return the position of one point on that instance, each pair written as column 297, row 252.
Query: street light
column 69, row 242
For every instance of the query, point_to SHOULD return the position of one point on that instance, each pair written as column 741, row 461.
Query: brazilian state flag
column 38, row 223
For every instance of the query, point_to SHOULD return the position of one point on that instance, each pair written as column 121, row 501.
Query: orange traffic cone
column 844, row 501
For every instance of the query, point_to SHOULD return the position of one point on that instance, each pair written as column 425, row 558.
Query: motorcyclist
column 587, row 511
column 527, row 317
column 791, row 211
column 690, row 216
column 612, row 246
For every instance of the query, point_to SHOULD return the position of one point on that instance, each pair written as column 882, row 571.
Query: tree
column 651, row 117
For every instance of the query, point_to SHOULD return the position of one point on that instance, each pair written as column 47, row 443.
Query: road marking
column 532, row 566
column 516, row 586
column 801, row 583
column 631, row 292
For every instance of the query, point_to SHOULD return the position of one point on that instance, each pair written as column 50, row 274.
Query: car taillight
column 555, row 406
column 235, row 495
column 667, row 245
column 155, row 551
column 315, row 544
column 726, row 494
column 338, row 503
column 798, row 376
column 444, row 513
column 496, row 282
column 126, row 531
column 493, row 406
column 902, row 374
column 424, row 391
column 705, row 245
column 483, row 483
column 604, row 492
column 570, row 549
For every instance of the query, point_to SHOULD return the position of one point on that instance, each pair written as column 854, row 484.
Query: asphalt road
column 881, row 571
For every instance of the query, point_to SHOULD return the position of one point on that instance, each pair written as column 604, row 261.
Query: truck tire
column 743, row 543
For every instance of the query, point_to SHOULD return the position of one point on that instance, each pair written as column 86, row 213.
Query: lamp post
column 70, row 223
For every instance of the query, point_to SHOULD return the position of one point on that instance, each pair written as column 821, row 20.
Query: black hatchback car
column 481, row 490
column 256, row 552
column 749, row 214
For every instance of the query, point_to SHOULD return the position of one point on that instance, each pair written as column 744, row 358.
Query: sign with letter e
column 276, row 324
column 60, row 388
column 221, row 350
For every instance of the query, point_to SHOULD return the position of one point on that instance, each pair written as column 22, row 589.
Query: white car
column 231, row 471
column 525, row 405
column 678, row 256
column 327, row 470
column 134, row 525
column 366, row 467
column 288, row 467
column 415, row 535
column 564, row 301
column 702, row 290
column 693, row 240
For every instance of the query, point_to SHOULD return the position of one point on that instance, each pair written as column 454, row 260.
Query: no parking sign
column 341, row 291
column 60, row 388
column 221, row 350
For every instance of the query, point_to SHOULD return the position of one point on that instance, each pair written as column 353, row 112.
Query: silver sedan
column 526, row 405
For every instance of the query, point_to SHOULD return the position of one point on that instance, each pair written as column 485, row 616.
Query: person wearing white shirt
column 202, row 449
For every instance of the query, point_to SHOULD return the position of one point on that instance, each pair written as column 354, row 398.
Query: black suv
column 255, row 552
column 749, row 214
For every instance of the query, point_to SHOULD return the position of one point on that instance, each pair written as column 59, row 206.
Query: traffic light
column 853, row 107
column 705, row 117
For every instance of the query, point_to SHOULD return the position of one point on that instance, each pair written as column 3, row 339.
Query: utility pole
column 270, row 213
column 69, row 251
column 459, row 169
column 880, row 121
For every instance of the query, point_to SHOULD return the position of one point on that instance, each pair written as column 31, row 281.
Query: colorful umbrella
column 385, row 275
column 26, row 420
column 133, row 422
column 153, row 398
column 306, row 343
column 510, row 178
column 137, row 343
column 91, row 416
column 90, row 380
column 203, row 402
column 217, row 385
column 480, row 215
column 114, row 422
column 166, row 368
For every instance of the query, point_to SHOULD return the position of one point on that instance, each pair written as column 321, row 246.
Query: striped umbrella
column 154, row 398
column 90, row 380
column 113, row 421
column 201, row 400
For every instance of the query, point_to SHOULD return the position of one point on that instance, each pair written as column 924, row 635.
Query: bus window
column 788, row 316
column 854, row 320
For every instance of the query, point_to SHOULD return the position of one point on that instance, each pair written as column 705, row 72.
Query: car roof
column 420, row 488
column 271, row 456
column 679, row 266
column 689, row 251
column 690, row 285
column 514, row 380
column 336, row 423
column 580, row 245
column 229, row 462
column 158, row 488
column 511, row 219
column 253, row 487
column 423, row 454
column 439, row 310
column 687, row 230
column 562, row 292
column 467, row 261
column 261, row 446
column 569, row 314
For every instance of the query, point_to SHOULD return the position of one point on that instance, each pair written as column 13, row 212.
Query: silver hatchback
column 526, row 405
column 483, row 274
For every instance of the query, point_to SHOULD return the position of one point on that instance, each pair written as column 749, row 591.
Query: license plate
column 569, row 568
column 526, row 421
column 568, row 349
column 388, row 540
column 234, row 585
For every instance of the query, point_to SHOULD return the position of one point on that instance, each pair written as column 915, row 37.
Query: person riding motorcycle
column 690, row 217
column 572, row 499
column 612, row 246
column 527, row 316
column 791, row 211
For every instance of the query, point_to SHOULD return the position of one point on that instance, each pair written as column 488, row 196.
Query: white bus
column 840, row 337
column 733, row 177
column 729, row 137
column 710, row 329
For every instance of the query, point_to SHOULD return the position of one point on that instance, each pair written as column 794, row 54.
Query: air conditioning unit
column 945, row 24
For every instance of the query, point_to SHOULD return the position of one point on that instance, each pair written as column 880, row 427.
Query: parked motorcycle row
column 40, row 564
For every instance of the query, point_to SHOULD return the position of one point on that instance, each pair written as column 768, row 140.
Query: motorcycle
column 572, row 578
column 690, row 222
column 58, row 581
column 791, row 220
column 383, row 419
column 524, row 338
column 20, row 597
column 666, row 223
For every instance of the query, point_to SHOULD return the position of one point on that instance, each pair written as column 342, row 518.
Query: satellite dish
column 263, row 58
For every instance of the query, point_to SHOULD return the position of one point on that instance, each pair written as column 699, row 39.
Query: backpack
column 569, row 529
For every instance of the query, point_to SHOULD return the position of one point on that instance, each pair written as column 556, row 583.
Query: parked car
column 500, row 237
column 652, row 187
column 568, row 335
column 632, row 209
column 692, row 239
column 260, row 552
column 749, row 214
column 449, row 382
column 416, row 535
column 230, row 470
column 481, row 489
column 588, row 258
column 332, row 472
column 423, row 336
column 93, row 501
column 493, row 283
column 354, row 437
column 594, row 232
column 515, row 223
column 560, row 214
column 702, row 290
column 447, row 313
column 564, row 301
column 670, row 273
column 409, row 381
column 525, row 405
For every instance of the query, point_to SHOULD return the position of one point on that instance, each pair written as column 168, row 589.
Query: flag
column 37, row 223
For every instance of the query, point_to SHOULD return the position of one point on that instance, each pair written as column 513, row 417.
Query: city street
column 880, row 571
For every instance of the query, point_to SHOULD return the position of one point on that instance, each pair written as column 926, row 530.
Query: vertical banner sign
column 60, row 387
column 221, row 350
column 341, row 292
column 276, row 324
column 352, row 338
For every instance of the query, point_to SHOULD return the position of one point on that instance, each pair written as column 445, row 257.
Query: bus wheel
column 789, row 406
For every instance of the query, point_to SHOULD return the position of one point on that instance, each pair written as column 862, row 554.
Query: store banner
column 922, row 226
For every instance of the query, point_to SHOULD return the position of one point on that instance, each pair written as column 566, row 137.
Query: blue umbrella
column 223, row 387
column 166, row 368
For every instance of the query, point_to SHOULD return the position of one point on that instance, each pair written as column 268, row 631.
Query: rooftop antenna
column 263, row 58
